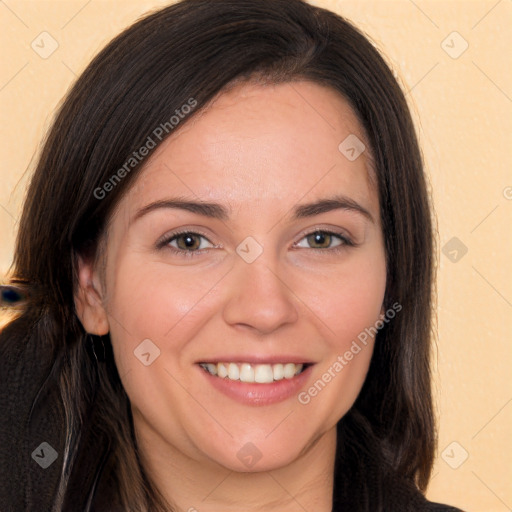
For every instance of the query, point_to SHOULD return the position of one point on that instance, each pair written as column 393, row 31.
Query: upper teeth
column 260, row 373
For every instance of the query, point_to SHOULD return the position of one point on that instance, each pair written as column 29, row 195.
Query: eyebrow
column 212, row 210
column 217, row 211
column 339, row 202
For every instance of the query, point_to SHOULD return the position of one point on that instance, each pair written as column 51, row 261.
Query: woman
column 225, row 257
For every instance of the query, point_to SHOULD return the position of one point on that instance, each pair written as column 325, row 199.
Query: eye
column 323, row 240
column 188, row 242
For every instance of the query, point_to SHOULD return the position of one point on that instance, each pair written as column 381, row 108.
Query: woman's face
column 250, row 244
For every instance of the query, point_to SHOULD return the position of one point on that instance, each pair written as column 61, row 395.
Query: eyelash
column 167, row 239
column 164, row 242
column 344, row 239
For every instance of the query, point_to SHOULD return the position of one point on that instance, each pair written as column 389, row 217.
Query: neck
column 193, row 485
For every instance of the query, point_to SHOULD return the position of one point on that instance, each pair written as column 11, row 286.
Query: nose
column 259, row 300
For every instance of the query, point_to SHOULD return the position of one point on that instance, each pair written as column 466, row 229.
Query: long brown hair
column 195, row 49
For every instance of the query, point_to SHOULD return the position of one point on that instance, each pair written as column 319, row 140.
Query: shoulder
column 439, row 507
column 403, row 496
column 31, row 420
column 410, row 499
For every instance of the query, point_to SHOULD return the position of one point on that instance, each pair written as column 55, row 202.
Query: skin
column 259, row 151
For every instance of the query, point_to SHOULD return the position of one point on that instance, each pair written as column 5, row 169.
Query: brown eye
column 324, row 240
column 189, row 242
column 320, row 240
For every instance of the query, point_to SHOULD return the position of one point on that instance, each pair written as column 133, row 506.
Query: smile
column 254, row 373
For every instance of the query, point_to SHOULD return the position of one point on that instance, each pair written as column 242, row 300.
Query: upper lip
column 257, row 359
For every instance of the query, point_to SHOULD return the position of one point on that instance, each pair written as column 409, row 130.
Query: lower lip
column 259, row 394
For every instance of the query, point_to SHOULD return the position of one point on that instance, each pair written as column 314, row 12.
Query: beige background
column 464, row 103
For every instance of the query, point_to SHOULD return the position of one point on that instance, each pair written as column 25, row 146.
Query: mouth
column 254, row 373
column 258, row 381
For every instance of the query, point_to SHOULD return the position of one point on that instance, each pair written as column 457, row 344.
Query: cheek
column 349, row 304
column 348, row 299
column 357, row 304
column 151, row 300
column 339, row 377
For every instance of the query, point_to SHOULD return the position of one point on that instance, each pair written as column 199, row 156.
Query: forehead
column 264, row 145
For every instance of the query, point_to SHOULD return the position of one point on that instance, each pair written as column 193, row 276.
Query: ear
column 89, row 299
